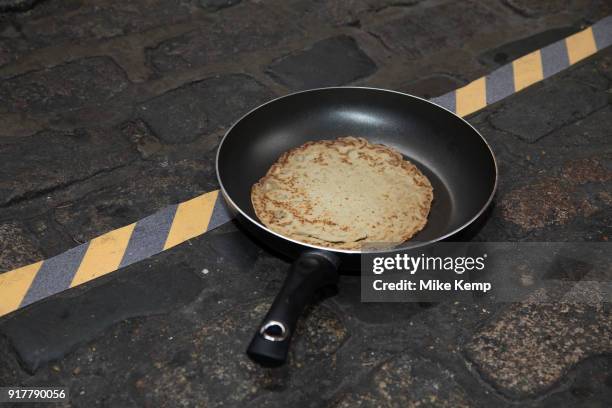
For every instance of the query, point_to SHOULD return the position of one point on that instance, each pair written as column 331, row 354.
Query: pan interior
column 447, row 150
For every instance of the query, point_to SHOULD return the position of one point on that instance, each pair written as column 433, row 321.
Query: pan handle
column 313, row 270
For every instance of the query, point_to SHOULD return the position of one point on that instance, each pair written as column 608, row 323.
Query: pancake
column 342, row 194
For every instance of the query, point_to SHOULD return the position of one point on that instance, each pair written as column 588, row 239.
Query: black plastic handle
column 312, row 271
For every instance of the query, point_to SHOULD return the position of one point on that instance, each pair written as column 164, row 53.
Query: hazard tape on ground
column 112, row 251
column 178, row 223
column 528, row 69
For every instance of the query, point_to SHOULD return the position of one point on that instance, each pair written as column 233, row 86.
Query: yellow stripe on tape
column 527, row 70
column 103, row 255
column 191, row 219
column 14, row 285
column 471, row 97
column 580, row 45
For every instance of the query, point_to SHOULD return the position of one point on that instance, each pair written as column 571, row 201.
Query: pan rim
column 418, row 244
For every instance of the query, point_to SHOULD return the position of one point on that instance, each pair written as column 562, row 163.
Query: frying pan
column 448, row 150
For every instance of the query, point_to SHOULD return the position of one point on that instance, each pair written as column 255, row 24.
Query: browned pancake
column 343, row 193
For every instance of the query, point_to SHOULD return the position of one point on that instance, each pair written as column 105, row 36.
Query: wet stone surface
column 590, row 379
column 214, row 5
column 74, row 21
column 578, row 191
column 223, row 38
column 133, row 192
column 535, row 9
column 17, row 246
column 403, row 382
column 63, row 87
column 98, row 150
column 341, row 13
column 112, row 110
column 568, row 100
column 420, row 32
column 529, row 347
column 161, row 290
column 198, row 108
column 331, row 62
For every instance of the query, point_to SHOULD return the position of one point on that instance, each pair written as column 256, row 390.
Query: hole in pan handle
column 312, row 271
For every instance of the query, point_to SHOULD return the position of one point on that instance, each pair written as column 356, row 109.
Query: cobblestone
column 198, row 108
column 16, row 246
column 224, row 38
column 64, row 87
column 529, row 347
column 74, row 20
column 568, row 100
column 406, row 382
column 535, row 9
column 331, row 62
column 342, row 12
column 417, row 33
column 98, row 150
column 214, row 5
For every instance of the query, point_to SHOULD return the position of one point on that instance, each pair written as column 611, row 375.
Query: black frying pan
column 451, row 153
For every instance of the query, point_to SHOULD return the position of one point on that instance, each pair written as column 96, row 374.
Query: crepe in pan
column 342, row 194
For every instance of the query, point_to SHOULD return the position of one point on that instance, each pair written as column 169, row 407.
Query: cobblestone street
column 111, row 110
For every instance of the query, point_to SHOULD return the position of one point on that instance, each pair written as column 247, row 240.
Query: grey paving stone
column 184, row 114
column 589, row 385
column 592, row 132
column 139, row 133
column 44, row 334
column 87, row 81
column 17, row 5
column 406, row 381
column 10, row 370
column 536, row 8
column 48, row 235
column 596, row 74
column 46, row 160
column 17, row 246
column 330, row 62
column 569, row 100
column 246, row 28
column 340, row 12
column 214, row 5
column 134, row 192
column 8, row 30
column 11, row 47
column 431, row 29
column 530, row 346
column 48, row 8
column 560, row 199
column 68, row 22
column 598, row 10
column 234, row 381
